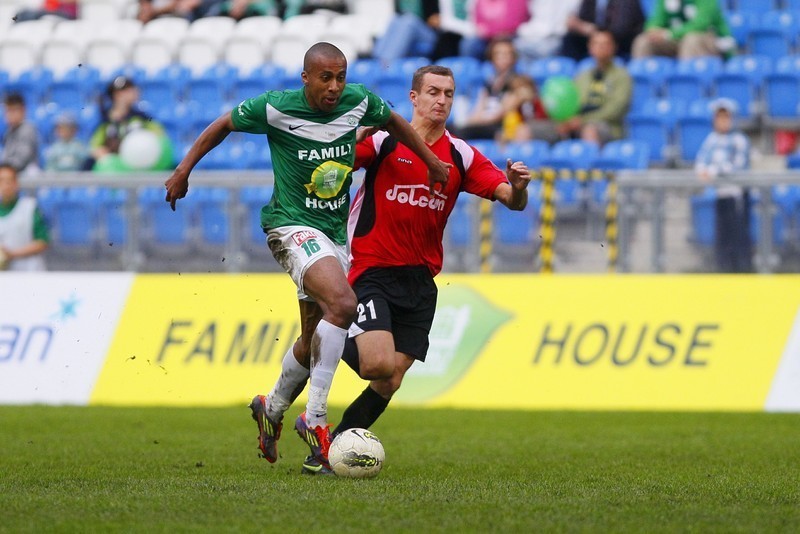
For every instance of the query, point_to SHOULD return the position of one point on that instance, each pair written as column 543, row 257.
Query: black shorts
column 400, row 300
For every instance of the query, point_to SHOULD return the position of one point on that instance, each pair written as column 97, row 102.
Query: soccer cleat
column 269, row 432
column 312, row 466
column 318, row 438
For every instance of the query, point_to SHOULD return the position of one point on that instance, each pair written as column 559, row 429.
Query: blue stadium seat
column 76, row 219
column 768, row 41
column 570, row 155
column 261, row 158
column 703, row 217
column 742, row 81
column 490, row 149
column 212, row 213
column 460, row 224
column 624, row 154
column 364, row 70
column 268, row 77
column 213, row 86
column 654, row 130
column 740, row 24
column 112, row 218
column 756, row 7
column 516, row 228
column 161, row 90
column 648, row 76
column 691, row 131
column 692, row 77
column 166, row 231
column 543, row 68
column 466, row 71
column 33, row 84
column 532, row 153
column 782, row 98
column 253, row 198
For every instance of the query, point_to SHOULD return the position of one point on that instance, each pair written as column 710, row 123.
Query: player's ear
column 304, row 77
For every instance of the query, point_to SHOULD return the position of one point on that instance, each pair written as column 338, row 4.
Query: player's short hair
column 438, row 70
column 6, row 165
column 321, row 50
column 14, row 99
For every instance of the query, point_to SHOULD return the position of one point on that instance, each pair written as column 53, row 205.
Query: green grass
column 165, row 470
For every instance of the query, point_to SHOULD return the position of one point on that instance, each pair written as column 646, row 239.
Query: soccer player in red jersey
column 395, row 232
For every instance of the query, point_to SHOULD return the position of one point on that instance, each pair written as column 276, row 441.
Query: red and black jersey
column 394, row 221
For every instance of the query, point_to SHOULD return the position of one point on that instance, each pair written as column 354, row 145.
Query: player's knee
column 378, row 369
column 342, row 308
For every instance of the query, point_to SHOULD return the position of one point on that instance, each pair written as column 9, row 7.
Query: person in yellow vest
column 24, row 235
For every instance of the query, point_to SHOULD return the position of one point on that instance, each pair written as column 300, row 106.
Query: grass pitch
column 151, row 470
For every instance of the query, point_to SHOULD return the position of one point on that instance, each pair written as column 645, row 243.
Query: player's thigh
column 327, row 284
column 372, row 330
column 298, row 249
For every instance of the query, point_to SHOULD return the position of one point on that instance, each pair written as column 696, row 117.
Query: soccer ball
column 356, row 453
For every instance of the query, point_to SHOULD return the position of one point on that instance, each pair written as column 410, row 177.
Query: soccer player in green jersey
column 311, row 134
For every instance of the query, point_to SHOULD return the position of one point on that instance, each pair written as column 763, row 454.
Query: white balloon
column 141, row 149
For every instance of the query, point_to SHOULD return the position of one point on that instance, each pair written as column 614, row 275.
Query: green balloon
column 110, row 163
column 165, row 161
column 560, row 98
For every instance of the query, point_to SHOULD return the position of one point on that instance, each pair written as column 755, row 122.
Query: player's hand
column 438, row 173
column 365, row 131
column 518, row 174
column 177, row 186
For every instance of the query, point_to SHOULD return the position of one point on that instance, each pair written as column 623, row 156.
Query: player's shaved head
column 319, row 52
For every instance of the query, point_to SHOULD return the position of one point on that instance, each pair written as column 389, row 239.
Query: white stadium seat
column 106, row 56
column 353, row 26
column 344, row 41
column 17, row 56
column 244, row 53
column 61, row 56
column 101, row 10
column 308, row 26
column 379, row 12
column 152, row 54
column 198, row 54
column 288, row 50
column 169, row 29
column 262, row 28
column 217, row 29
column 35, row 32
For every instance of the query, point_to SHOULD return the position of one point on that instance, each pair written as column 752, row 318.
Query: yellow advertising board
column 499, row 341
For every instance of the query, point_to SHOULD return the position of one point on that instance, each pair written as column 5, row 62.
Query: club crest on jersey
column 302, row 236
column 327, row 179
column 417, row 195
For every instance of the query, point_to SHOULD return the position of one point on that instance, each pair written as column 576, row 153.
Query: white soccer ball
column 356, row 453
column 141, row 149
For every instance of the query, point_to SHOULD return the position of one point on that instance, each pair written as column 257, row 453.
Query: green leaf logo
column 464, row 323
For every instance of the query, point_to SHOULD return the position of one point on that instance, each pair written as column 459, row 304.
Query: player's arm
column 178, row 184
column 398, row 127
column 514, row 194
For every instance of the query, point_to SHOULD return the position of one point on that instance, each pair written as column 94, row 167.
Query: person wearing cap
column 67, row 153
column 120, row 115
column 723, row 151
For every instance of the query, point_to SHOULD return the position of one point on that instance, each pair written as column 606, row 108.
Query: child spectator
column 67, row 153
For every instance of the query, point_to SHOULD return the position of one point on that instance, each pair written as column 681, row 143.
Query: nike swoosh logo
column 296, row 126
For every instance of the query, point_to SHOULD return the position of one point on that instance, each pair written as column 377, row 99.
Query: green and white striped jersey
column 313, row 153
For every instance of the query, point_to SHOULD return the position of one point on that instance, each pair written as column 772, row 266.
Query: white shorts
column 296, row 248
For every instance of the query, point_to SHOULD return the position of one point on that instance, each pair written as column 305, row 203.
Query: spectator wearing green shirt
column 23, row 232
column 605, row 95
column 685, row 29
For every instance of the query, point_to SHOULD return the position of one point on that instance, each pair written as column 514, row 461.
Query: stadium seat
column 623, row 154
column 60, row 56
column 365, row 70
column 654, row 130
column 213, row 218
column 212, row 86
column 782, row 98
column 532, row 153
column 742, row 82
column 490, row 149
column 345, row 24
column 703, row 217
column 75, row 217
column 217, row 29
column 692, row 77
column 112, row 219
column 107, row 55
column 288, row 49
column 262, row 28
column 572, row 156
column 253, row 198
column 152, row 53
column 466, row 71
column 165, row 231
column 18, row 56
column 648, row 78
column 740, row 24
column 691, row 131
column 161, row 90
column 542, row 68
column 198, row 53
column 756, row 7
column 267, row 77
column 245, row 53
column 169, row 29
column 33, row 83
column 101, row 10
column 776, row 34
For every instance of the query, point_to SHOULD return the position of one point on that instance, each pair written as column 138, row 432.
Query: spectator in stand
column 498, row 18
column 120, row 115
column 65, row 9
column 685, row 29
column 408, row 34
column 726, row 150
column 486, row 119
column 623, row 18
column 23, row 231
column 455, row 30
column 524, row 116
column 541, row 36
column 188, row 9
column 67, row 153
column 605, row 95
column 21, row 140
